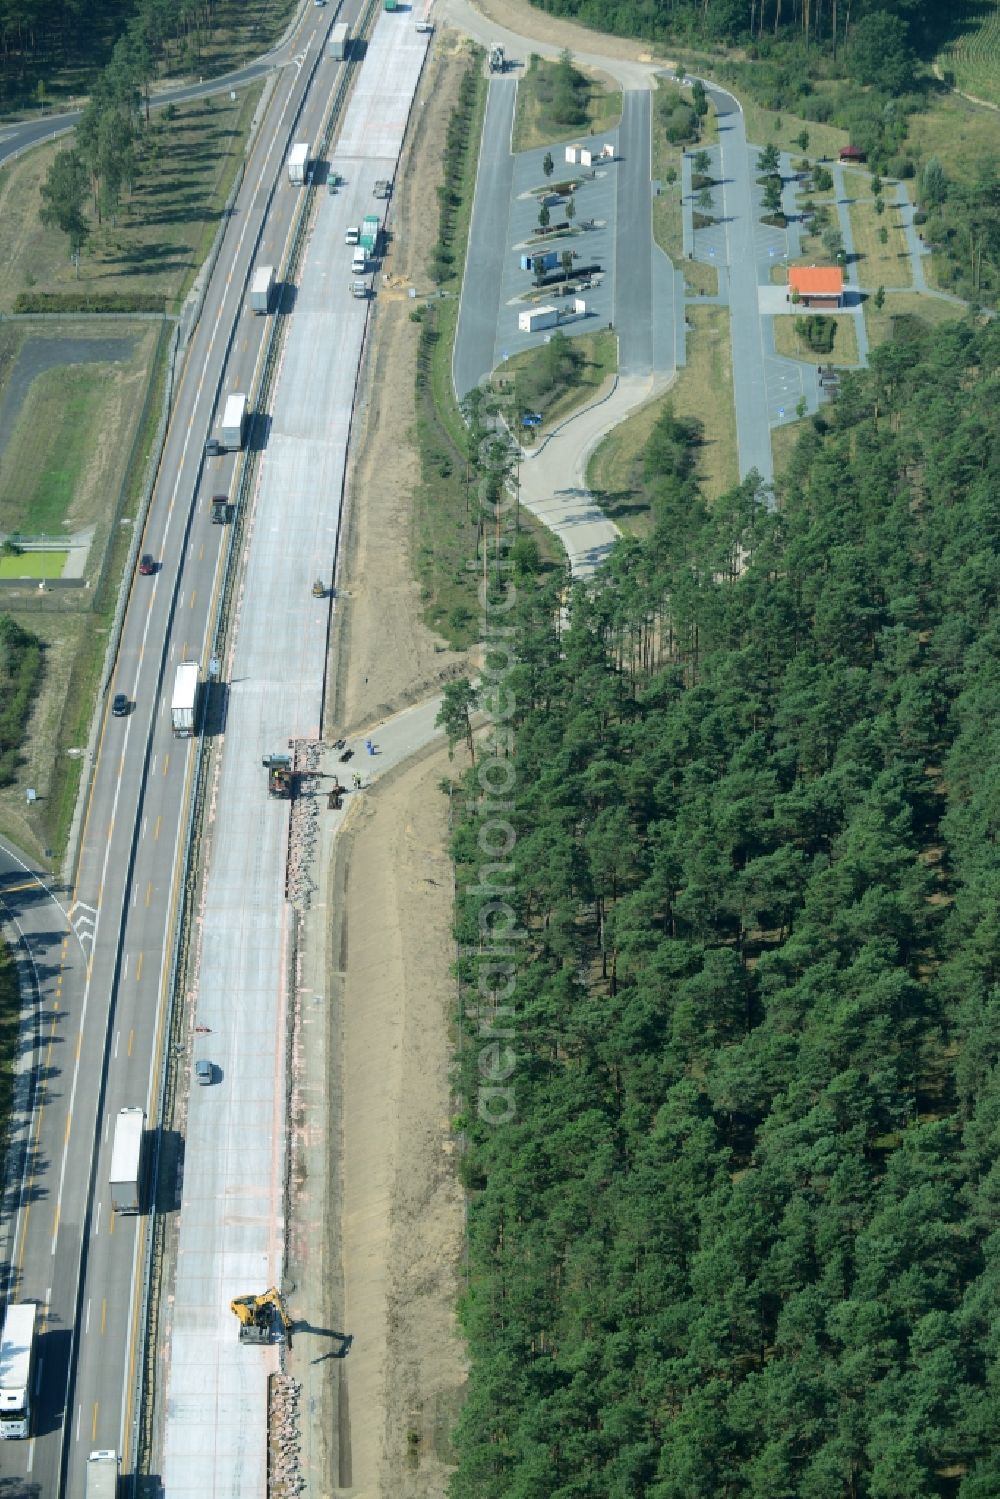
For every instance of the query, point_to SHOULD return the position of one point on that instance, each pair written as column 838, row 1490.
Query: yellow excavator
column 256, row 1316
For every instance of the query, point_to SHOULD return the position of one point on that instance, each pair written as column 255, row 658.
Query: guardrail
column 219, row 635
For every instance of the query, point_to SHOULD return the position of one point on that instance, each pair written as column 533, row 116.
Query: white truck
column 126, row 1175
column 262, row 288
column 361, row 289
column 234, row 420
column 184, row 703
column 17, row 1363
column 102, row 1474
column 359, row 262
column 340, row 42
column 298, row 162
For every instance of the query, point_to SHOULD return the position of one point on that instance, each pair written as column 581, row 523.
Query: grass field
column 877, row 264
column 164, row 230
column 934, row 310
column 974, row 60
column 38, row 479
column 704, row 390
column 845, row 344
column 600, row 353
column 33, row 565
column 64, row 461
column 535, row 123
column 960, row 134
column 765, row 127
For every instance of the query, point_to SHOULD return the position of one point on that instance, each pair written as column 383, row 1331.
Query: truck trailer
column 234, row 420
column 262, row 288
column 339, row 44
column 537, row 318
column 298, row 162
column 125, row 1178
column 549, row 260
column 17, row 1362
column 184, row 703
column 371, row 229
column 102, row 1474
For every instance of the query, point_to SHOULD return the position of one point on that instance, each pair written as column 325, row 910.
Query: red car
column 146, row 565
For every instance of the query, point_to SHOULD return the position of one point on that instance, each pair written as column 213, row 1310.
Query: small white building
column 573, row 155
column 536, row 318
column 607, row 152
column 586, row 157
column 580, row 307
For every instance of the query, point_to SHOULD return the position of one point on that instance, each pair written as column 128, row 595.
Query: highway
column 102, row 1038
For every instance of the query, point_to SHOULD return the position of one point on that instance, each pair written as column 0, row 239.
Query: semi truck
column 125, row 1178
column 102, row 1474
column 298, row 162
column 370, row 231
column 340, row 42
column 17, row 1363
column 234, row 420
column 184, row 703
column 262, row 288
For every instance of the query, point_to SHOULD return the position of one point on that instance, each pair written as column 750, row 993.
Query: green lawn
column 33, row 565
column 845, row 344
column 765, row 127
column 600, row 355
column 907, row 304
column 668, row 223
column 878, row 264
column 537, row 120
column 960, row 134
column 703, row 389
column 39, row 478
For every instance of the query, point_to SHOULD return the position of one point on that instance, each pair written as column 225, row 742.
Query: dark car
column 213, row 448
column 146, row 565
column 119, row 705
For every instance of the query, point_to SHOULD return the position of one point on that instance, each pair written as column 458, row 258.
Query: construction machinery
column 256, row 1316
column 498, row 60
column 279, row 775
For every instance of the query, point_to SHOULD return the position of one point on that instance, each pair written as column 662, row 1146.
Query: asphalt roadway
column 16, row 139
column 102, row 1039
column 231, row 1231
column 635, row 288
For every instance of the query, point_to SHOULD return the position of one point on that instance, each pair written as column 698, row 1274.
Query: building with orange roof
column 819, row 286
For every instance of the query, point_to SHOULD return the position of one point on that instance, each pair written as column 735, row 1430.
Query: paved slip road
column 106, row 1041
column 18, row 138
column 231, row 1232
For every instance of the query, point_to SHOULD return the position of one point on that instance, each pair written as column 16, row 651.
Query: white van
column 360, row 263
